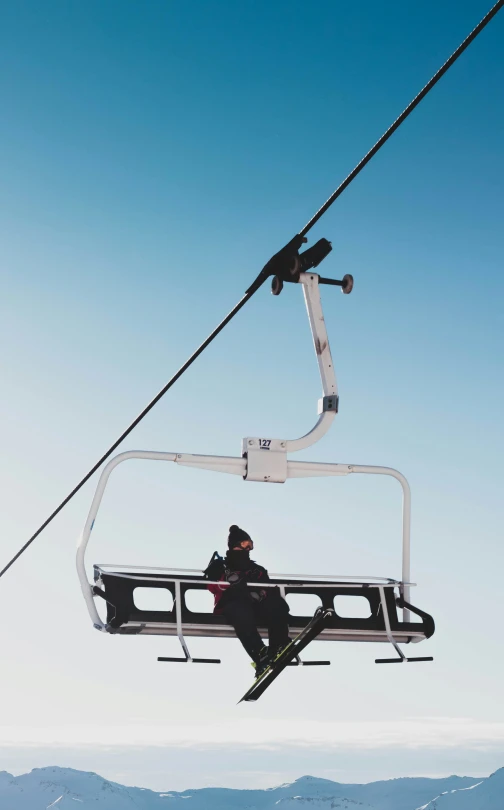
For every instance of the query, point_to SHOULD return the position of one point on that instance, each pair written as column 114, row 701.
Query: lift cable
column 135, row 422
column 277, row 265
column 397, row 123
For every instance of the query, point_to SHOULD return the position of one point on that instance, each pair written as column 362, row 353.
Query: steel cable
column 397, row 123
column 248, row 295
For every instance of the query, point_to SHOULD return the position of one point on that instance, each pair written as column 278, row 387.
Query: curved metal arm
column 309, row 469
column 235, row 466
column 324, row 422
column 328, row 405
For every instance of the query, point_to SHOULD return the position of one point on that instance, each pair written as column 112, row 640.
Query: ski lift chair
column 262, row 460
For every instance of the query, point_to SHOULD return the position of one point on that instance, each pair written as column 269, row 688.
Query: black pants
column 246, row 615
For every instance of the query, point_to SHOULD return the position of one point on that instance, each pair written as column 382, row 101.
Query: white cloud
column 412, row 733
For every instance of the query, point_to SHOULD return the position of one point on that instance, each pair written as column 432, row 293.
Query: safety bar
column 237, row 466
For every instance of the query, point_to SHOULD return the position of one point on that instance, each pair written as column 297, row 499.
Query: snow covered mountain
column 67, row 789
column 486, row 794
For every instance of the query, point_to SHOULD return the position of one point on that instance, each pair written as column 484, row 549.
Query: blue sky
column 154, row 155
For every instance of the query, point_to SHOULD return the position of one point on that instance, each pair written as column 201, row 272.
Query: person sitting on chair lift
column 245, row 608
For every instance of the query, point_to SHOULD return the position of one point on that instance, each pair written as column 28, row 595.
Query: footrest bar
column 179, row 660
column 429, row 658
column 309, row 664
column 192, row 660
column 206, row 661
column 390, row 660
column 401, row 660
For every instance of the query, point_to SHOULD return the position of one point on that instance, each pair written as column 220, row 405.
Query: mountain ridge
column 67, row 788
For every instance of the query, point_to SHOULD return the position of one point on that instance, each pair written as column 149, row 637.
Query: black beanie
column 236, row 536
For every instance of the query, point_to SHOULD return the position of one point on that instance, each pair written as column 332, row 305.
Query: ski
column 310, row 632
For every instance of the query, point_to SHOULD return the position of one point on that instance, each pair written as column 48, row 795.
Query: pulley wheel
column 347, row 285
column 294, row 269
column 276, row 285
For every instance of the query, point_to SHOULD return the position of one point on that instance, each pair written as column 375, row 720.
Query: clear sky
column 153, row 156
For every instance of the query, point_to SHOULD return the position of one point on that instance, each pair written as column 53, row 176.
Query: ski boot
column 261, row 661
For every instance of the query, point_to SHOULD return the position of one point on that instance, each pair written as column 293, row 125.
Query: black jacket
column 236, row 571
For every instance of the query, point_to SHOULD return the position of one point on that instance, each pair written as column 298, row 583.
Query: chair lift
column 263, row 460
